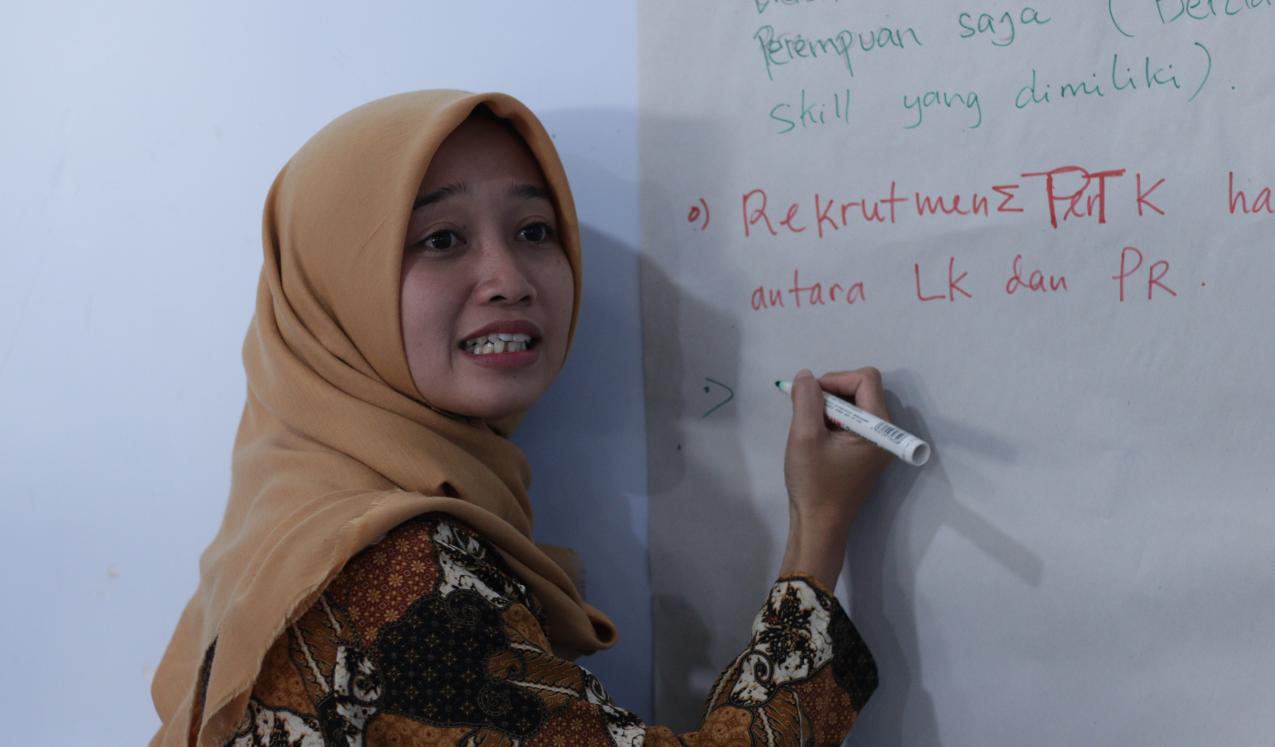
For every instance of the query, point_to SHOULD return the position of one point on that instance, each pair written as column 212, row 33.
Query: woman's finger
column 807, row 406
column 863, row 385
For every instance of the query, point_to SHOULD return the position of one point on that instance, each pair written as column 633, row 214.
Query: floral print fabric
column 428, row 638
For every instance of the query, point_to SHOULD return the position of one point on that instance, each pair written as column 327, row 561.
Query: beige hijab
column 336, row 446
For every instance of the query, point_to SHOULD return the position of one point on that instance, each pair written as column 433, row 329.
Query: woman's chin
column 485, row 393
column 496, row 405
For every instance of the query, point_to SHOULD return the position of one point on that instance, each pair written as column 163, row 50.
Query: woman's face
column 487, row 291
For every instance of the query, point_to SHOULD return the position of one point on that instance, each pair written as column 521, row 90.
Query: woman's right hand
column 829, row 472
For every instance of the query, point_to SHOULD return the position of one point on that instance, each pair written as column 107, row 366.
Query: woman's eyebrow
column 529, row 191
column 440, row 194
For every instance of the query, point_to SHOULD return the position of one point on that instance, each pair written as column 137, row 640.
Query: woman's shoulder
column 423, row 611
column 431, row 555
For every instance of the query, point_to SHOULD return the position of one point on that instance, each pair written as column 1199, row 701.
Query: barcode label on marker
column 894, row 434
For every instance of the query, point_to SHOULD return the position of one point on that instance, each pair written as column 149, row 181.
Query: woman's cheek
column 565, row 291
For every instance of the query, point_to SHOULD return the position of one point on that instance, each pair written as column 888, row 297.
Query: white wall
column 138, row 141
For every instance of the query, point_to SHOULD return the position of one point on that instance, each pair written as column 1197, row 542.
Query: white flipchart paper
column 1089, row 556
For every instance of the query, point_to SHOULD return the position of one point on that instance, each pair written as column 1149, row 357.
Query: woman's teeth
column 497, row 343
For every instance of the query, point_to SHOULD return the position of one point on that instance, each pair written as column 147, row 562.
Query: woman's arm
column 802, row 680
column 829, row 472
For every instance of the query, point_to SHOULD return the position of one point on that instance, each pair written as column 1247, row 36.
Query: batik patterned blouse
column 428, row 638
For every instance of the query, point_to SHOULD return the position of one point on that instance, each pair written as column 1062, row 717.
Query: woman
column 373, row 581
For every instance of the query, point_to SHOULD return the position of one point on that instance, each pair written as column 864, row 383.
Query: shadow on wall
column 585, row 439
column 887, row 544
column 710, row 549
column 705, row 542
column 882, row 600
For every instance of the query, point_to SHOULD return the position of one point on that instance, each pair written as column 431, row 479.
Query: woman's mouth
column 502, row 350
column 500, row 342
column 504, row 344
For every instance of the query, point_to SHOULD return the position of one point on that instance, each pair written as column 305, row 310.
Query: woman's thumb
column 807, row 405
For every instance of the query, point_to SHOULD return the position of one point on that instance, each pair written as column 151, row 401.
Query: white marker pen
column 888, row 436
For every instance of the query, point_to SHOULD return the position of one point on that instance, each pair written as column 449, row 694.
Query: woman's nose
column 502, row 278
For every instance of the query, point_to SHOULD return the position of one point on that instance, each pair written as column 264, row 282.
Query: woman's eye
column 536, row 232
column 439, row 241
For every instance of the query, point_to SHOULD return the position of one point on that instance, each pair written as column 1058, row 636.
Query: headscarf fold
column 335, row 445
